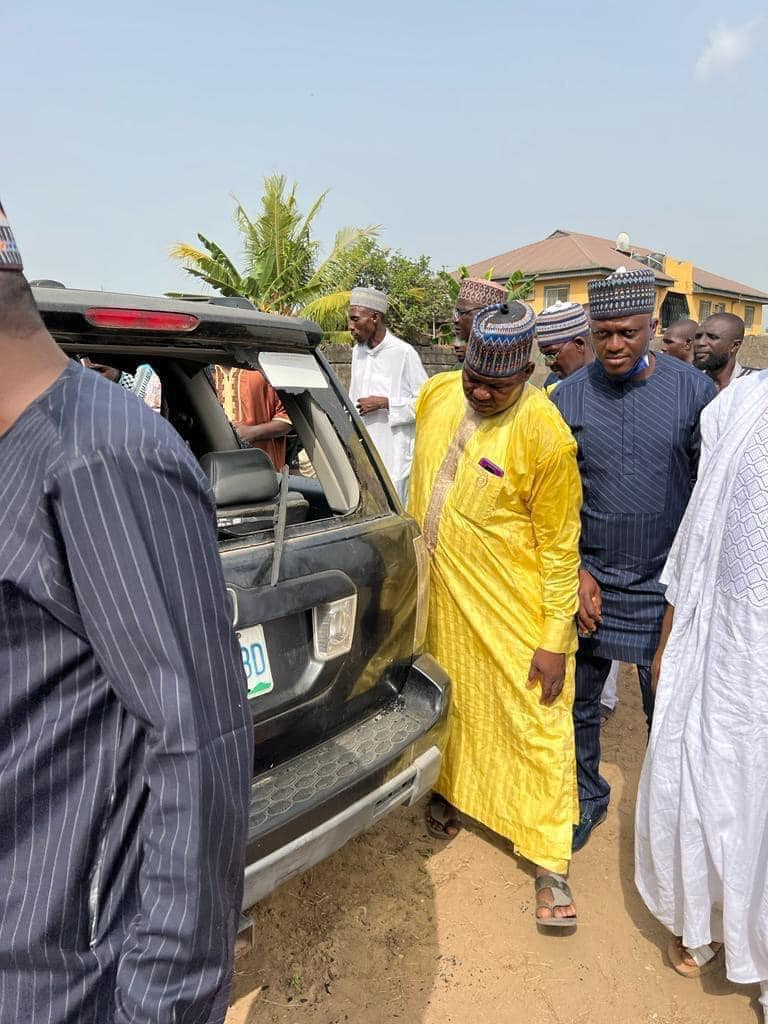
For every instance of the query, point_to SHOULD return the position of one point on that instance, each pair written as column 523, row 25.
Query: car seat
column 246, row 488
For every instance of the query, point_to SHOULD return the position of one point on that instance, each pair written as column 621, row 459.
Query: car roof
column 230, row 327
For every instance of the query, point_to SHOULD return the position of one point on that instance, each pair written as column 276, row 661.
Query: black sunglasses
column 458, row 313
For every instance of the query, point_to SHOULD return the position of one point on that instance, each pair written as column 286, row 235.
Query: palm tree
column 282, row 270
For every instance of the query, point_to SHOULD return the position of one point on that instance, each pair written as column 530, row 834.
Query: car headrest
column 244, row 477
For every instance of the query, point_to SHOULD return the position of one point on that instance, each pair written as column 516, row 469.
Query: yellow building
column 565, row 261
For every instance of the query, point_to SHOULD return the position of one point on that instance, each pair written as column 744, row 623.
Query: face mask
column 642, row 364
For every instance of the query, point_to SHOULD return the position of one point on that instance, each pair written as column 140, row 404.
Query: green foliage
column 519, row 286
column 420, row 301
column 282, row 270
column 453, row 281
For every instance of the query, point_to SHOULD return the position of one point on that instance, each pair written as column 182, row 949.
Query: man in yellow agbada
column 495, row 487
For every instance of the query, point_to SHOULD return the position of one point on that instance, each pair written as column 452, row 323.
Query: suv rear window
column 330, row 473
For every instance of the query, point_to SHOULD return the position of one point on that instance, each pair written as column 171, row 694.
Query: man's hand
column 656, row 669
column 666, row 629
column 242, row 430
column 590, row 613
column 262, row 431
column 372, row 404
column 549, row 670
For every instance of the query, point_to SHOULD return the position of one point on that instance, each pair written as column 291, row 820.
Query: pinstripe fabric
column 638, row 453
column 125, row 746
column 591, row 674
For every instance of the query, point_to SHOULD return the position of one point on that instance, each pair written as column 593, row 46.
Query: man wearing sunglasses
column 474, row 294
column 562, row 334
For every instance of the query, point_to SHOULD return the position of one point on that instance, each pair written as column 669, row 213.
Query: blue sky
column 462, row 129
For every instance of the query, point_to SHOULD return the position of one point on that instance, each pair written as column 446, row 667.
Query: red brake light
column 141, row 319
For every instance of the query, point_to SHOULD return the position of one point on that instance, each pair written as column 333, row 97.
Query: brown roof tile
column 713, row 282
column 571, row 251
column 563, row 251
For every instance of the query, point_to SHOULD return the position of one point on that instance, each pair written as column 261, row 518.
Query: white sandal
column 705, row 958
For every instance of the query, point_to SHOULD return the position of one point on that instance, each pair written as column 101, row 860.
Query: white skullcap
column 369, row 298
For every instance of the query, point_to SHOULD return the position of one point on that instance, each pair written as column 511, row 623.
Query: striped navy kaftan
column 125, row 742
column 638, row 450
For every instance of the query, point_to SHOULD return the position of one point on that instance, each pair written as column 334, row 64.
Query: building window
column 705, row 310
column 558, row 294
column 749, row 317
column 674, row 307
column 719, row 307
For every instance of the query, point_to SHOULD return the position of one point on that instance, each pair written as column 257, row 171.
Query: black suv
column 327, row 577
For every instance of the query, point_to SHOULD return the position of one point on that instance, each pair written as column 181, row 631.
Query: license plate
column 258, row 673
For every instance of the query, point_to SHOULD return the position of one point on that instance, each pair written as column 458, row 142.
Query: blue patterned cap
column 501, row 339
column 622, row 293
column 561, row 323
column 10, row 257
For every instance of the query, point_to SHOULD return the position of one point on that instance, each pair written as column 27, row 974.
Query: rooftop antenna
column 622, row 242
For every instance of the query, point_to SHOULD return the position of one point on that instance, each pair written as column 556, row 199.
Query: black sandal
column 439, row 816
column 561, row 897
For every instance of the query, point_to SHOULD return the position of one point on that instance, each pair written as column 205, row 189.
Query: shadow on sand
column 354, row 938
column 623, row 742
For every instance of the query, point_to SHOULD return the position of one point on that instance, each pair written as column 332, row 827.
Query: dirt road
column 396, row 927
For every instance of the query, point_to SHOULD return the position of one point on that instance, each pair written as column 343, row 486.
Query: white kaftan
column 701, row 852
column 392, row 369
column 610, row 695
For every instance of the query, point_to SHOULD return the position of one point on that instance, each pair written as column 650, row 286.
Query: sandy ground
column 396, row 927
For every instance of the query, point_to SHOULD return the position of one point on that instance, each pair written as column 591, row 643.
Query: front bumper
column 305, row 809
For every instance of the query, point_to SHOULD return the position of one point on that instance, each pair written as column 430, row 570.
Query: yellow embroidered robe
column 505, row 559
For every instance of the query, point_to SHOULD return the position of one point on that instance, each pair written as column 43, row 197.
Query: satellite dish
column 622, row 242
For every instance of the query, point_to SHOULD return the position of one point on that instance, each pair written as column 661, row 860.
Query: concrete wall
column 754, row 352
column 437, row 358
